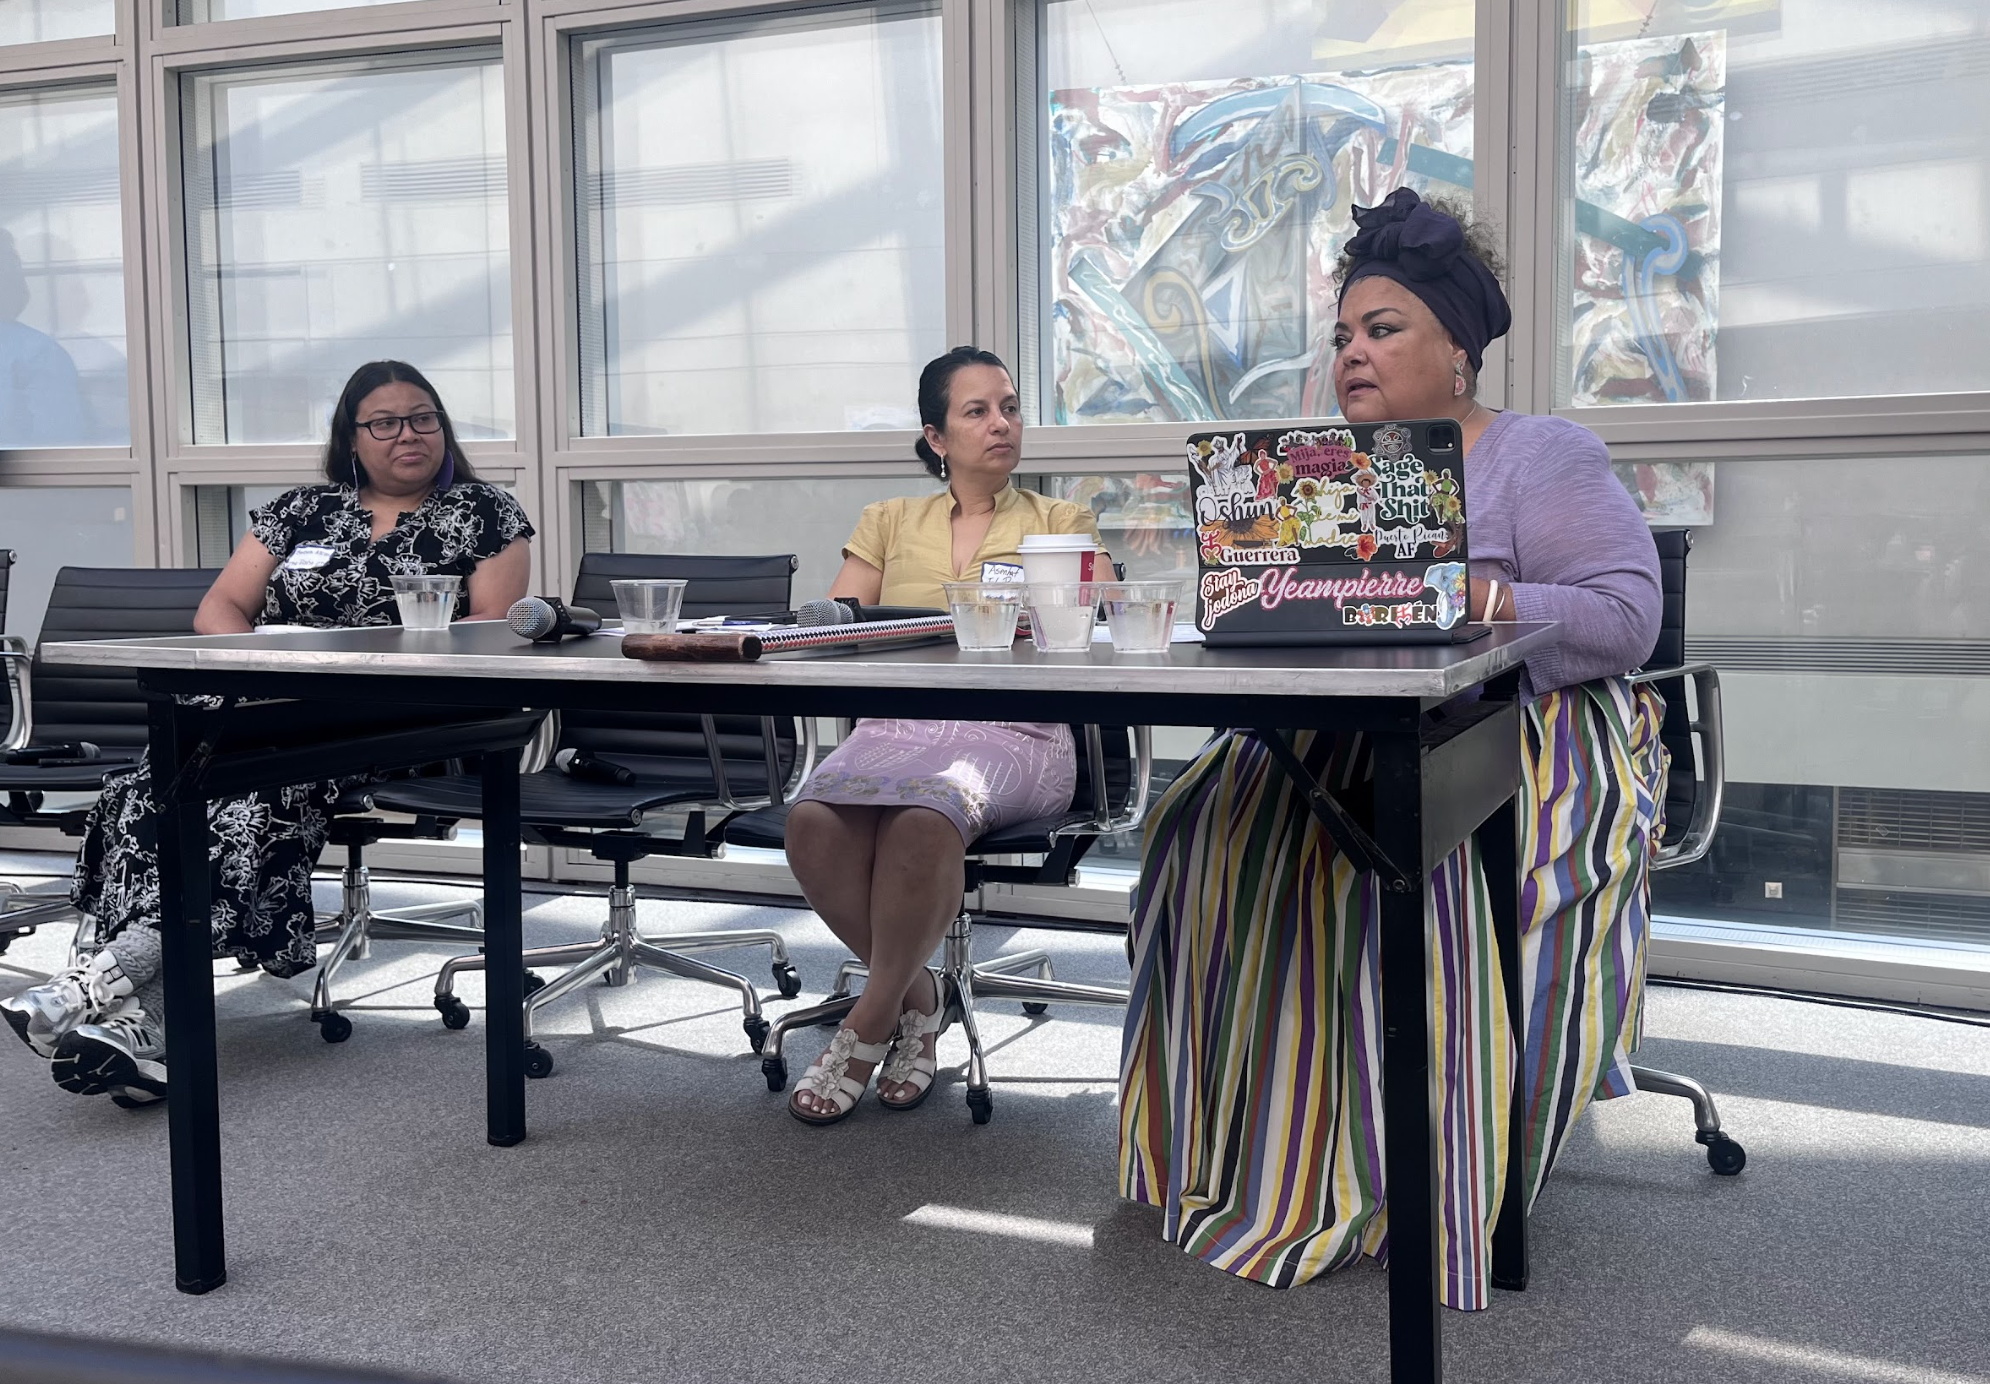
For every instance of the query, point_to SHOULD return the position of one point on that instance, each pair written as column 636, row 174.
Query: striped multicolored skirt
column 1250, row 1081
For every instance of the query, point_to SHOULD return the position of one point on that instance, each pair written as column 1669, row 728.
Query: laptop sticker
column 1313, row 529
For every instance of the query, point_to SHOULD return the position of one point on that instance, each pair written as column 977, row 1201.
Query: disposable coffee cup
column 1061, row 558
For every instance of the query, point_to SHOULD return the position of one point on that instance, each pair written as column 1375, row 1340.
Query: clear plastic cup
column 649, row 605
column 1062, row 614
column 1140, row 614
column 984, row 614
column 426, row 603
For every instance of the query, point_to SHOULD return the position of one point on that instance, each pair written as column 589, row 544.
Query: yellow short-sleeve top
column 910, row 539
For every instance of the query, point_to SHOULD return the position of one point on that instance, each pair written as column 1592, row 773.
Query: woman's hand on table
column 1482, row 592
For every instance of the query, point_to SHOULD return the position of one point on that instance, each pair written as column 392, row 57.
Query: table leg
column 1499, row 852
column 193, row 1103
column 504, row 952
column 1409, row 1101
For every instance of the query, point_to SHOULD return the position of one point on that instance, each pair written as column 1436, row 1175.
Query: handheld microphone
column 547, row 620
column 581, row 765
column 824, row 612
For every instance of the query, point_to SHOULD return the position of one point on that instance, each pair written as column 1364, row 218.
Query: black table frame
column 1437, row 781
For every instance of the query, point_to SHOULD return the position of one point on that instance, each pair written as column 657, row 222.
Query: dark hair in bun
column 935, row 385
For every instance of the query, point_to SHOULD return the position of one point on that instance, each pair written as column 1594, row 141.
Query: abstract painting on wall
column 1193, row 228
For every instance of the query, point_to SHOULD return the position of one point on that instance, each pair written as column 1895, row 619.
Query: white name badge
column 307, row 557
column 1001, row 571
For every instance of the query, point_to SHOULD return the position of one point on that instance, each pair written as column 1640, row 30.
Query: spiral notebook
column 1331, row 533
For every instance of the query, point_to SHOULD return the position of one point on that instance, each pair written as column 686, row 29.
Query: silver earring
column 943, row 468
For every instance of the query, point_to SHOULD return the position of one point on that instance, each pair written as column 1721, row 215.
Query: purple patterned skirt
column 980, row 774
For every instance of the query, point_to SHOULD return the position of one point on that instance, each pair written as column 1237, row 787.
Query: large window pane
column 39, row 21
column 762, row 244
column 1841, row 600
column 50, row 527
column 810, row 518
column 339, row 215
column 1776, row 201
column 62, row 356
column 1200, row 163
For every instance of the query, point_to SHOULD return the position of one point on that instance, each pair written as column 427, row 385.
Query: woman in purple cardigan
column 1250, row 1083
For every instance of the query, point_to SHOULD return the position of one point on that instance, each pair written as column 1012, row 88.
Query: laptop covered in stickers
column 1331, row 533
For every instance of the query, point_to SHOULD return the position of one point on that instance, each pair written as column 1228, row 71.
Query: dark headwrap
column 1424, row 250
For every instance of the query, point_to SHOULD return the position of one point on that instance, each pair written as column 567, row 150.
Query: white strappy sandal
column 828, row 1078
column 907, row 1064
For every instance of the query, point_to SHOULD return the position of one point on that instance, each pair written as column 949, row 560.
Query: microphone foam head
column 823, row 612
column 531, row 617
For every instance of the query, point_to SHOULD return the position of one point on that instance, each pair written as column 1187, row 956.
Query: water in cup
column 1062, row 615
column 426, row 602
column 1140, row 615
column 649, row 605
column 984, row 614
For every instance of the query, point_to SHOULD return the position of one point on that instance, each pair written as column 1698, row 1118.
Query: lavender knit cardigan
column 1549, row 518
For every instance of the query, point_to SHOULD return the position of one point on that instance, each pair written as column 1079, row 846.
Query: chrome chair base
column 614, row 958
column 1725, row 1155
column 355, row 927
column 963, row 983
column 22, row 912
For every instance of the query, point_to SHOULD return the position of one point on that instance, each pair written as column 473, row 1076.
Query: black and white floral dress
column 331, row 574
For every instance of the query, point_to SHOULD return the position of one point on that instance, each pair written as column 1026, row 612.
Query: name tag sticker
column 307, row 557
column 1001, row 571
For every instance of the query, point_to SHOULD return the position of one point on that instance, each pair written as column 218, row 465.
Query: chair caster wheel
column 538, row 1062
column 1724, row 1155
column 534, row 981
column 775, row 1069
column 455, row 1013
column 1032, row 1008
column 333, row 1026
column 981, row 1105
column 756, row 1032
column 244, row 964
column 787, row 979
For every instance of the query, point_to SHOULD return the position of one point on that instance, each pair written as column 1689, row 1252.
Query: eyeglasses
column 387, row 429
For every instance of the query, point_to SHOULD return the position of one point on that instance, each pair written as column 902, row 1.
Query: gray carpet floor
column 667, row 1221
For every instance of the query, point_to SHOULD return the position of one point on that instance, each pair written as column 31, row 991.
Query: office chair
column 353, row 929
column 1694, row 785
column 1111, row 798
column 727, row 764
column 58, row 705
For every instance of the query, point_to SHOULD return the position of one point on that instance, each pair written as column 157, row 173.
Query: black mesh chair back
column 664, row 742
column 1682, row 786
column 713, row 585
column 104, row 705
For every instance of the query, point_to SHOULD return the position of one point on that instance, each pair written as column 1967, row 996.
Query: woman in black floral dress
column 401, row 499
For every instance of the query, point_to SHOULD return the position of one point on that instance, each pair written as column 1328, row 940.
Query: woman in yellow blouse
column 879, row 833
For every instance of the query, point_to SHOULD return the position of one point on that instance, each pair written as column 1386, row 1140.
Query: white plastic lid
column 1056, row 543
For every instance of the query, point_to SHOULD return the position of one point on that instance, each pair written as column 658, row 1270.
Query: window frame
column 990, row 98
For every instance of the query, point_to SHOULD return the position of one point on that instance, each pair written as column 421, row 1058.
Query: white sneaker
column 83, row 994
column 124, row 1054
